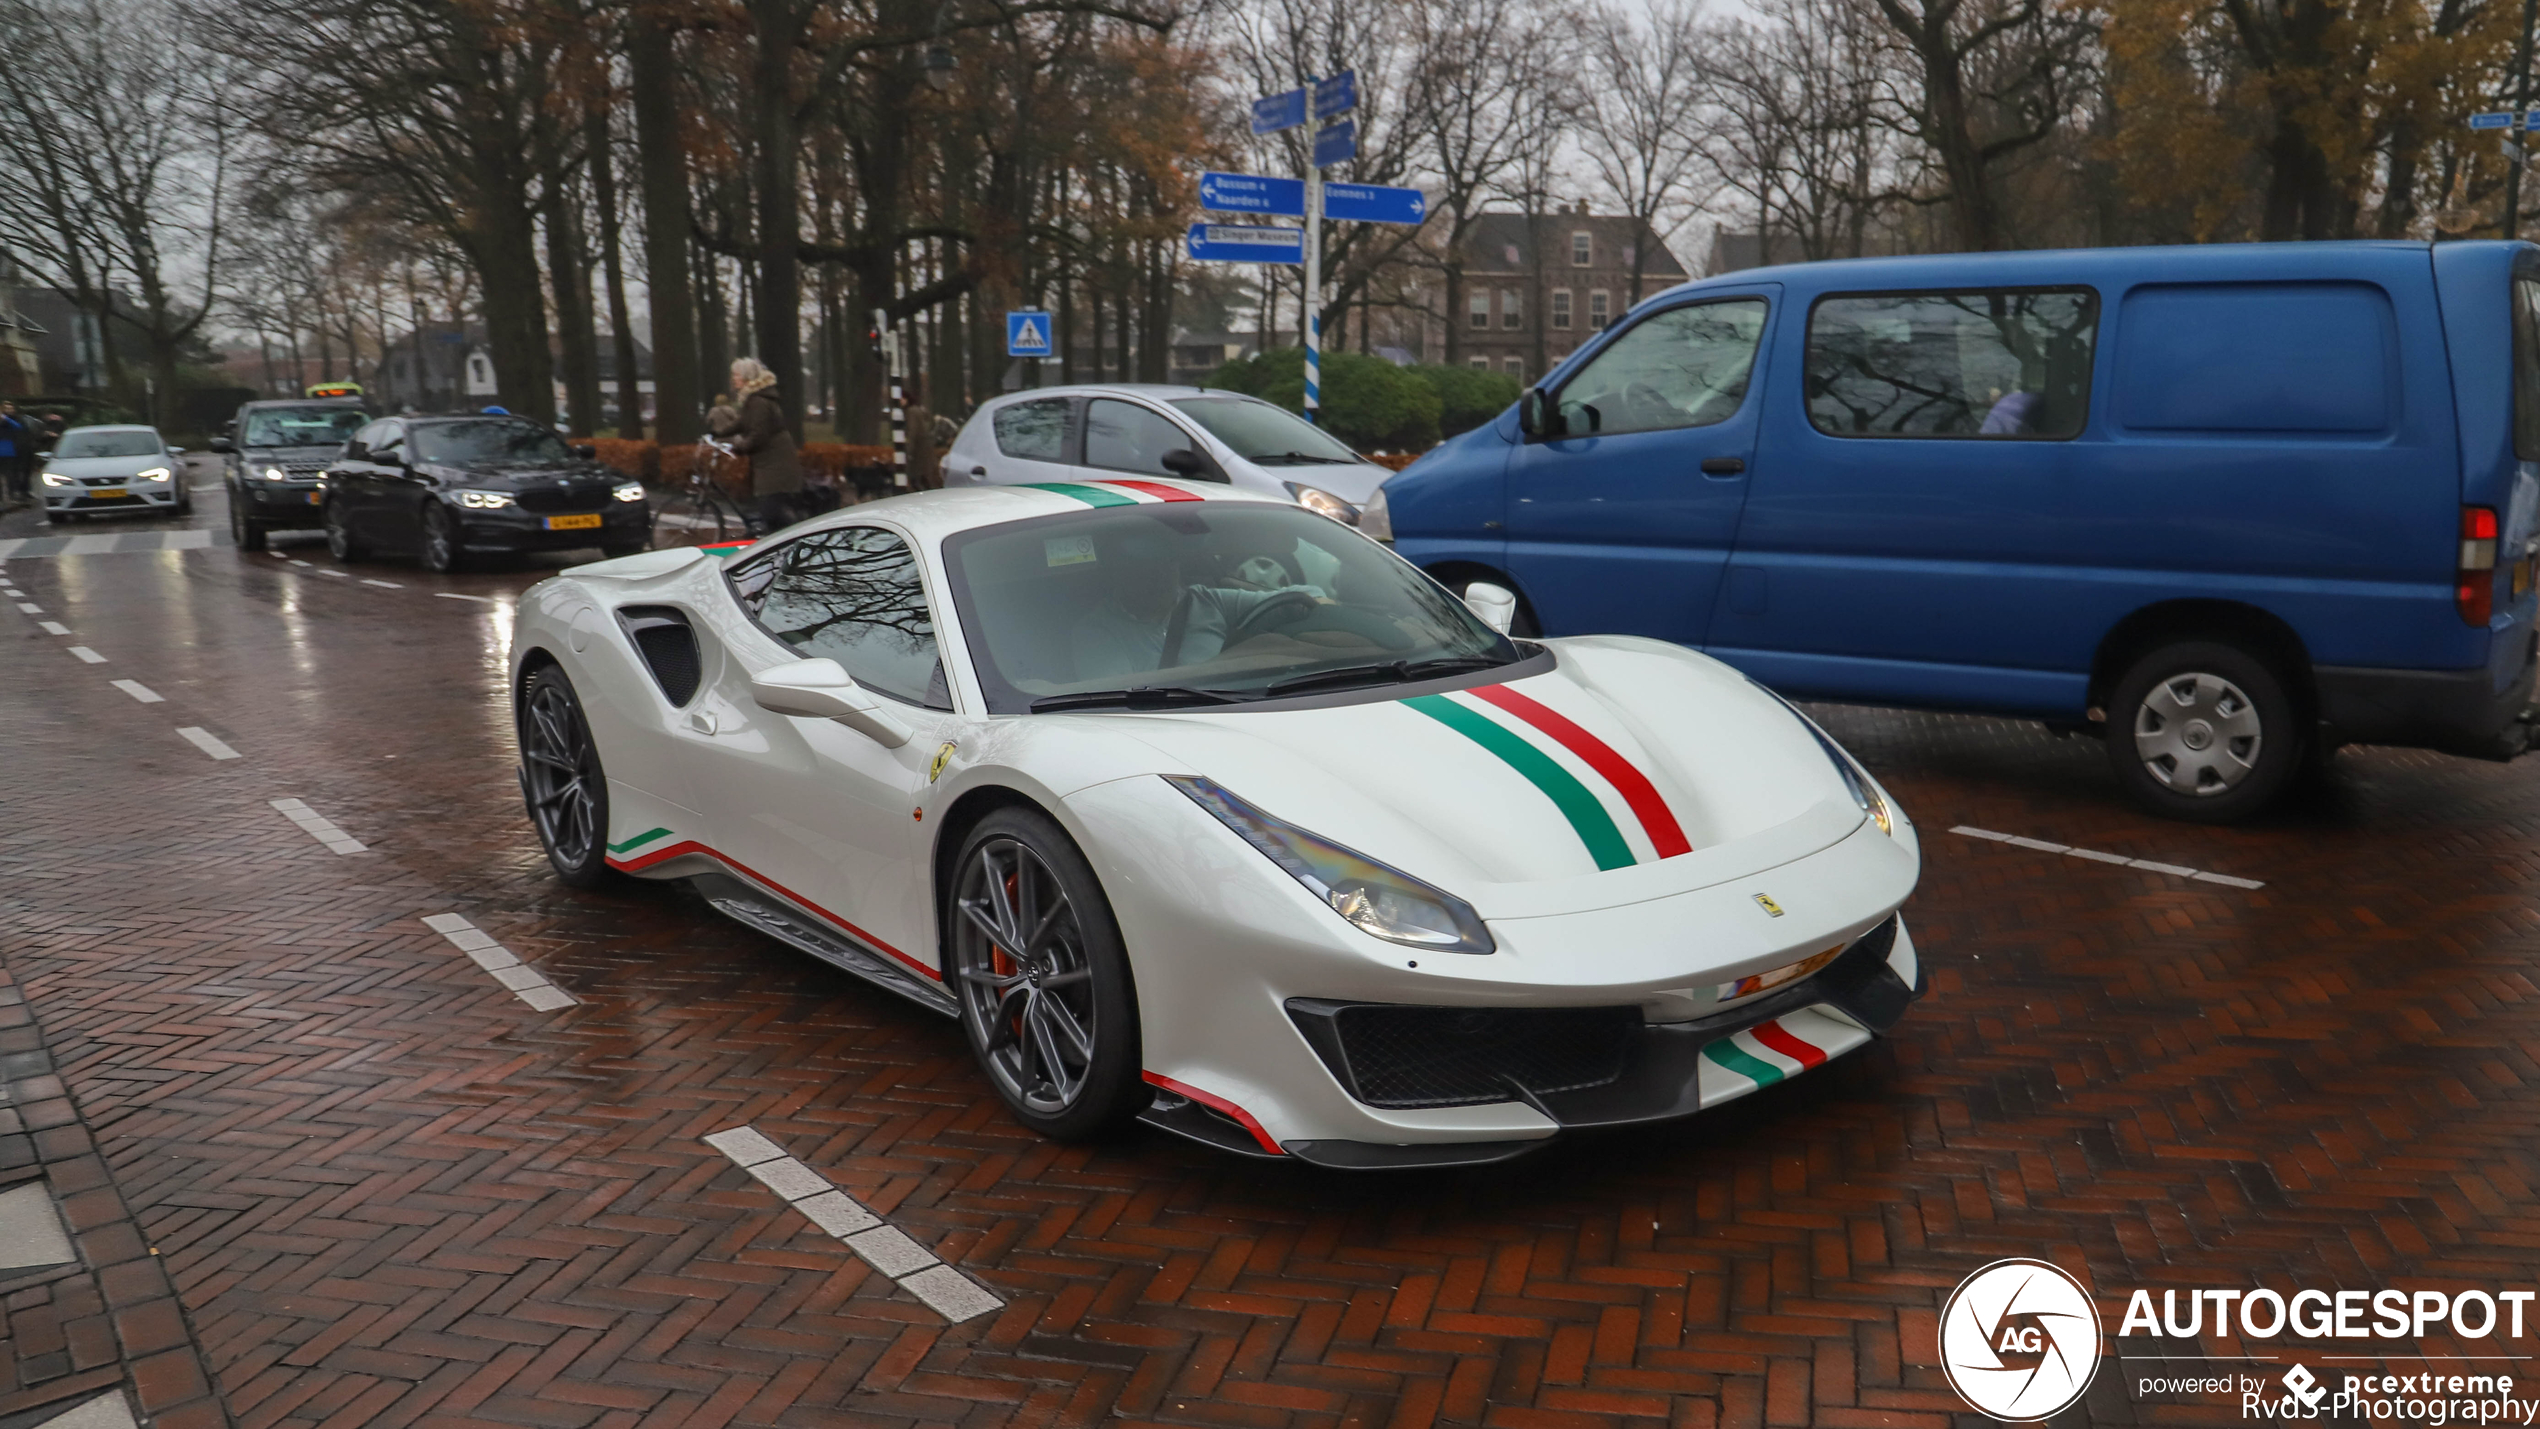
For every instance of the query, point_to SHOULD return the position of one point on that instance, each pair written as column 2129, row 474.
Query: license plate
column 313, row 498
column 573, row 523
column 105, row 493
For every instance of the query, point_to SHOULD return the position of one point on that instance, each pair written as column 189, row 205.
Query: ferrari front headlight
column 1384, row 902
column 1864, row 789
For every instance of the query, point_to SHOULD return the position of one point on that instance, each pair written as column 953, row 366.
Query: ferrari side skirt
column 746, row 905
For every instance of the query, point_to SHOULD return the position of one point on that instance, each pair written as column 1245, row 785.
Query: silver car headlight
column 1375, row 519
column 275, row 473
column 1385, row 902
column 630, row 491
column 1323, row 503
column 55, row 478
column 485, row 500
column 156, row 473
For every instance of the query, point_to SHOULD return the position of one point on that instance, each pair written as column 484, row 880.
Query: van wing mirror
column 1533, row 413
column 822, row 689
column 1493, row 605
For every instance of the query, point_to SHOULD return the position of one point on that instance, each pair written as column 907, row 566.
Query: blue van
column 2227, row 506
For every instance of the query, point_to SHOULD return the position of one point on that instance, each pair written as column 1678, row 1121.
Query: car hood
column 1631, row 770
column 498, row 476
column 107, row 465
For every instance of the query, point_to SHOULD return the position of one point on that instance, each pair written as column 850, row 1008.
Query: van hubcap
column 2198, row 734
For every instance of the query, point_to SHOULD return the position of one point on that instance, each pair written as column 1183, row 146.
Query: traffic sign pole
column 1313, row 284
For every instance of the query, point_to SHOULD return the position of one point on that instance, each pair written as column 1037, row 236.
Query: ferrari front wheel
column 1037, row 964
column 561, row 779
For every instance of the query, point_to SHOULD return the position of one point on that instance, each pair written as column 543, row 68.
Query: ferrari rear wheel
column 561, row 779
column 1043, row 981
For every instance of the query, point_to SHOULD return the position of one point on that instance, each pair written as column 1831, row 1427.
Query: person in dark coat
column 776, row 469
column 17, row 455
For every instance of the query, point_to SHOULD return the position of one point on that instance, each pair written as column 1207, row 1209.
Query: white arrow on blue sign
column 1027, row 334
column 1336, row 143
column 1252, row 193
column 1274, row 112
column 1375, row 203
column 1337, row 95
column 2493, row 119
column 1242, row 243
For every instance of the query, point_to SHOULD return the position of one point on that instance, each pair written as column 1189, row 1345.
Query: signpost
column 1336, row 143
column 2492, row 119
column 1027, row 333
column 1243, row 243
column 1375, row 203
column 1275, row 112
column 1337, row 95
column 1252, row 193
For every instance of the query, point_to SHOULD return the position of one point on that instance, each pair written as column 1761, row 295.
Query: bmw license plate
column 573, row 523
column 105, row 493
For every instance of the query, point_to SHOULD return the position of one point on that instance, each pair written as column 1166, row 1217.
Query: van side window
column 1685, row 367
column 2527, row 369
column 2320, row 359
column 1976, row 365
column 1034, row 431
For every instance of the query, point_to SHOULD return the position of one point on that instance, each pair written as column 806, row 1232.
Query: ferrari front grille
column 1389, row 1055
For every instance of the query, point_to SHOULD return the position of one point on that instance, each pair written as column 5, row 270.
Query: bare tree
column 1795, row 128
column 1646, row 88
column 1996, row 77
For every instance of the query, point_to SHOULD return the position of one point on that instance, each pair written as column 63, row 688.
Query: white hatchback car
column 1105, row 433
column 100, row 469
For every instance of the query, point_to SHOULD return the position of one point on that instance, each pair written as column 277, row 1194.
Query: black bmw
column 447, row 488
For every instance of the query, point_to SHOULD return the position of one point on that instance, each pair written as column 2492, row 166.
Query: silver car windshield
column 1265, row 435
column 1217, row 602
column 86, row 444
column 303, row 426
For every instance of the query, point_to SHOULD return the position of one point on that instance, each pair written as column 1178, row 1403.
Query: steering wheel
column 1258, row 619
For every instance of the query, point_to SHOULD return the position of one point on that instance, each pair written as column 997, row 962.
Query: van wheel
column 2204, row 732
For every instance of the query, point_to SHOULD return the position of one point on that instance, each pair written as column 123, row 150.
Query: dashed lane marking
column 524, row 981
column 454, row 595
column 295, row 560
column 383, row 585
column 111, row 543
column 331, row 571
column 86, row 655
column 2147, row 865
column 30, row 607
column 883, row 1246
column 206, row 741
column 53, row 627
column 141, row 692
column 318, row 827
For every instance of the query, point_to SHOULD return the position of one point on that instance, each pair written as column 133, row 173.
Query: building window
column 1561, row 309
column 1479, row 364
column 1600, row 310
column 1512, row 308
column 1582, row 248
column 1479, row 308
column 1514, row 367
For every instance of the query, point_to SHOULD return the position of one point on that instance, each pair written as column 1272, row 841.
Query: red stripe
column 1221, row 1104
column 1656, row 819
column 639, row 864
column 1156, row 489
column 1779, row 1038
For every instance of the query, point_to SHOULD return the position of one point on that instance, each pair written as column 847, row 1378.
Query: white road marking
column 454, row 595
column 295, row 560
column 31, row 1230
column 30, row 607
column 383, row 585
column 86, row 655
column 883, row 1246
column 279, row 555
column 524, row 981
column 53, row 627
column 2095, row 856
column 140, row 691
column 208, row 742
column 339, row 575
column 318, row 827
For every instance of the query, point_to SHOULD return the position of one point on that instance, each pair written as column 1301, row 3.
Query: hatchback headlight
column 484, row 500
column 630, row 491
column 1323, row 503
column 1385, row 902
column 55, row 478
column 1375, row 519
column 156, row 473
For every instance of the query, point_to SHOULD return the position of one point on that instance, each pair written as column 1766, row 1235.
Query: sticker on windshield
column 1068, row 550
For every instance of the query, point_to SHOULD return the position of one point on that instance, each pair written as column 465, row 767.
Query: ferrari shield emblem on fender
column 1765, row 902
column 943, row 756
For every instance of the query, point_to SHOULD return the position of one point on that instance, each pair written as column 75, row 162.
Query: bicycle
column 701, row 512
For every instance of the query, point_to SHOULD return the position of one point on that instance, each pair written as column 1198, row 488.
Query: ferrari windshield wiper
column 1398, row 672
column 1144, row 697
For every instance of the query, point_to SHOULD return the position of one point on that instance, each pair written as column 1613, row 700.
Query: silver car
column 1130, row 431
column 98, row 469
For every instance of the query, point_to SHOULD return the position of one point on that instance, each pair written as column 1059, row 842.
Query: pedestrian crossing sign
column 1027, row 334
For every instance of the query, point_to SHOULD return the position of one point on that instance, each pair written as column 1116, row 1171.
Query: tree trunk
column 506, row 259
column 569, row 278
column 630, row 400
column 714, row 329
column 662, row 173
column 778, row 181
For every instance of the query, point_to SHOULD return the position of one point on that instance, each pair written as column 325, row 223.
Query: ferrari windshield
column 1208, row 603
column 491, row 439
column 302, row 426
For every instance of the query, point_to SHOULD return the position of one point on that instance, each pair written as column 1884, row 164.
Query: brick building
column 1536, row 287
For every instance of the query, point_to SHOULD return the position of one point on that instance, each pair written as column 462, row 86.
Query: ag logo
column 2019, row 1340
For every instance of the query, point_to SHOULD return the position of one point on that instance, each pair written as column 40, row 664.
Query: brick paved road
column 390, row 1192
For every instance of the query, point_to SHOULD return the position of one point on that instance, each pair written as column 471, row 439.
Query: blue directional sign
column 1275, row 112
column 1241, row 243
column 1375, row 203
column 2493, row 119
column 1337, row 95
column 1027, row 334
column 1251, row 193
column 1336, row 143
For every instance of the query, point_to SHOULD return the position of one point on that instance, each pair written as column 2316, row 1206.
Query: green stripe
column 1090, row 495
column 638, row 839
column 1594, row 826
column 1746, row 1064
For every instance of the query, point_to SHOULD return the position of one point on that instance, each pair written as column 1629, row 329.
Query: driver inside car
column 1146, row 597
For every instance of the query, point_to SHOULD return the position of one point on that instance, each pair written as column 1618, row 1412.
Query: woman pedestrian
column 776, row 472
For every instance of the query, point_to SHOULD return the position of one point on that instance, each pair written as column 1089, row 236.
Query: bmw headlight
column 156, row 473
column 1375, row 519
column 630, row 491
column 484, row 500
column 275, row 473
column 1323, row 503
column 1385, row 902
column 1865, row 790
column 55, row 478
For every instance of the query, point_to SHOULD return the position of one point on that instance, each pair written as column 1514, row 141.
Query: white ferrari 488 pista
column 1202, row 809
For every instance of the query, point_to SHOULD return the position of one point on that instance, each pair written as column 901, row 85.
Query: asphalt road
column 388, row 1187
